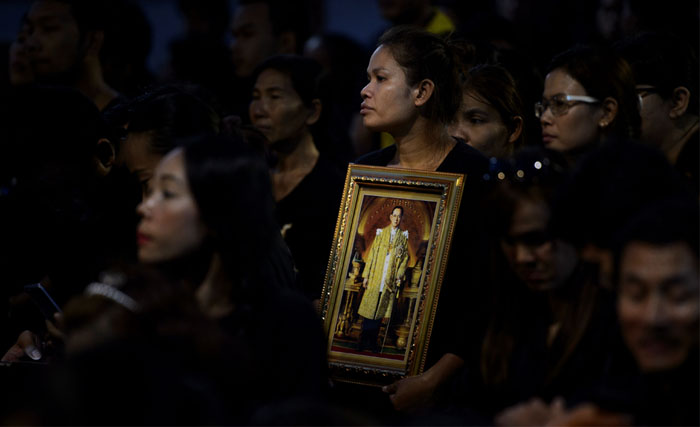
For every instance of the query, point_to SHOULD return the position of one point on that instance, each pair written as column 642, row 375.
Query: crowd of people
column 181, row 221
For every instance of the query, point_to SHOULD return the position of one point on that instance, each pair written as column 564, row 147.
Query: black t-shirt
column 534, row 366
column 687, row 163
column 284, row 340
column 307, row 216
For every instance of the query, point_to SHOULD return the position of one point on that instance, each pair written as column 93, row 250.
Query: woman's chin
column 371, row 125
column 148, row 257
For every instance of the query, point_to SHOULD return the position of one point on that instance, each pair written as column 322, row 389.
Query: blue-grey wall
column 358, row 19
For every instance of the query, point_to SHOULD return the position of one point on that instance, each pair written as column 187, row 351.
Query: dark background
column 538, row 28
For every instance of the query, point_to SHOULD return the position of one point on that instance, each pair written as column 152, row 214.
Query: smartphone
column 43, row 300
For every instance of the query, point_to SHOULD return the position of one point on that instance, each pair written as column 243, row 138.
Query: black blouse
column 307, row 216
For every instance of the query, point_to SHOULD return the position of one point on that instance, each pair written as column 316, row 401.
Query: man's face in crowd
column 655, row 113
column 658, row 303
column 51, row 38
column 541, row 262
column 253, row 38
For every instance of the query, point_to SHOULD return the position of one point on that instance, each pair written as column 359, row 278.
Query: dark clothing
column 276, row 271
column 117, row 100
column 308, row 216
column 461, row 159
column 664, row 398
column 134, row 381
column 687, row 163
column 285, row 343
column 534, row 367
column 671, row 399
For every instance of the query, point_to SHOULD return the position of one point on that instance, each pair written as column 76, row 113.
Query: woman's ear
column 315, row 114
column 422, row 92
column 105, row 156
column 609, row 108
column 517, row 129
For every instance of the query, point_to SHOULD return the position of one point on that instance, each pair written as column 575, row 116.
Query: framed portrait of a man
column 386, row 266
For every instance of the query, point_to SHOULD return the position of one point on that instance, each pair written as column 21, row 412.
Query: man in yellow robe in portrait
column 384, row 270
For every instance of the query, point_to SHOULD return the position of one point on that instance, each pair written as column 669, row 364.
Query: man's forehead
column 252, row 14
column 46, row 9
column 658, row 262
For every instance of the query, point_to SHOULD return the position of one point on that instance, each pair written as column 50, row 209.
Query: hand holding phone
column 43, row 300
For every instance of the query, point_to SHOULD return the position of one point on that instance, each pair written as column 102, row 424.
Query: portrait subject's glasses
column 560, row 104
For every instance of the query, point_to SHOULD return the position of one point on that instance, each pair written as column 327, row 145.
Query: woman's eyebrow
column 376, row 70
column 170, row 177
column 476, row 110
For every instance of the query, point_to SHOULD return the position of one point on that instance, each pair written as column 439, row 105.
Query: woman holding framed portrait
column 413, row 93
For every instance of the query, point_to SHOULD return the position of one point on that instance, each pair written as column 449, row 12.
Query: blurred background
column 540, row 28
column 358, row 19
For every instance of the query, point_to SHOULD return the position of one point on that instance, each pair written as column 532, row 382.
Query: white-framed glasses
column 559, row 104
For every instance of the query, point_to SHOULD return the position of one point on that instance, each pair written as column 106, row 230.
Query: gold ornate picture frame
column 386, row 267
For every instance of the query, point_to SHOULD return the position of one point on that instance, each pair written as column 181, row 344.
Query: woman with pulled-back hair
column 413, row 94
column 589, row 99
column 154, row 122
column 491, row 118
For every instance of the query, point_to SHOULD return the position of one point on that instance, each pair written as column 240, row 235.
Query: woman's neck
column 292, row 167
column 214, row 294
column 303, row 156
column 557, row 305
column 558, row 308
column 92, row 84
column 423, row 147
column 188, row 270
column 686, row 131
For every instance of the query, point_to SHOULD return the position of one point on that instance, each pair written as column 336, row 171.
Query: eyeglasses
column 560, row 104
column 645, row 91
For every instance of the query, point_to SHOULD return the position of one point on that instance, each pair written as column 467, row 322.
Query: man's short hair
column 104, row 15
column 288, row 16
column 665, row 222
column 89, row 15
column 397, row 207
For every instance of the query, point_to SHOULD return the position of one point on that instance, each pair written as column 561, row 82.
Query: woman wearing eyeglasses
column 589, row 97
